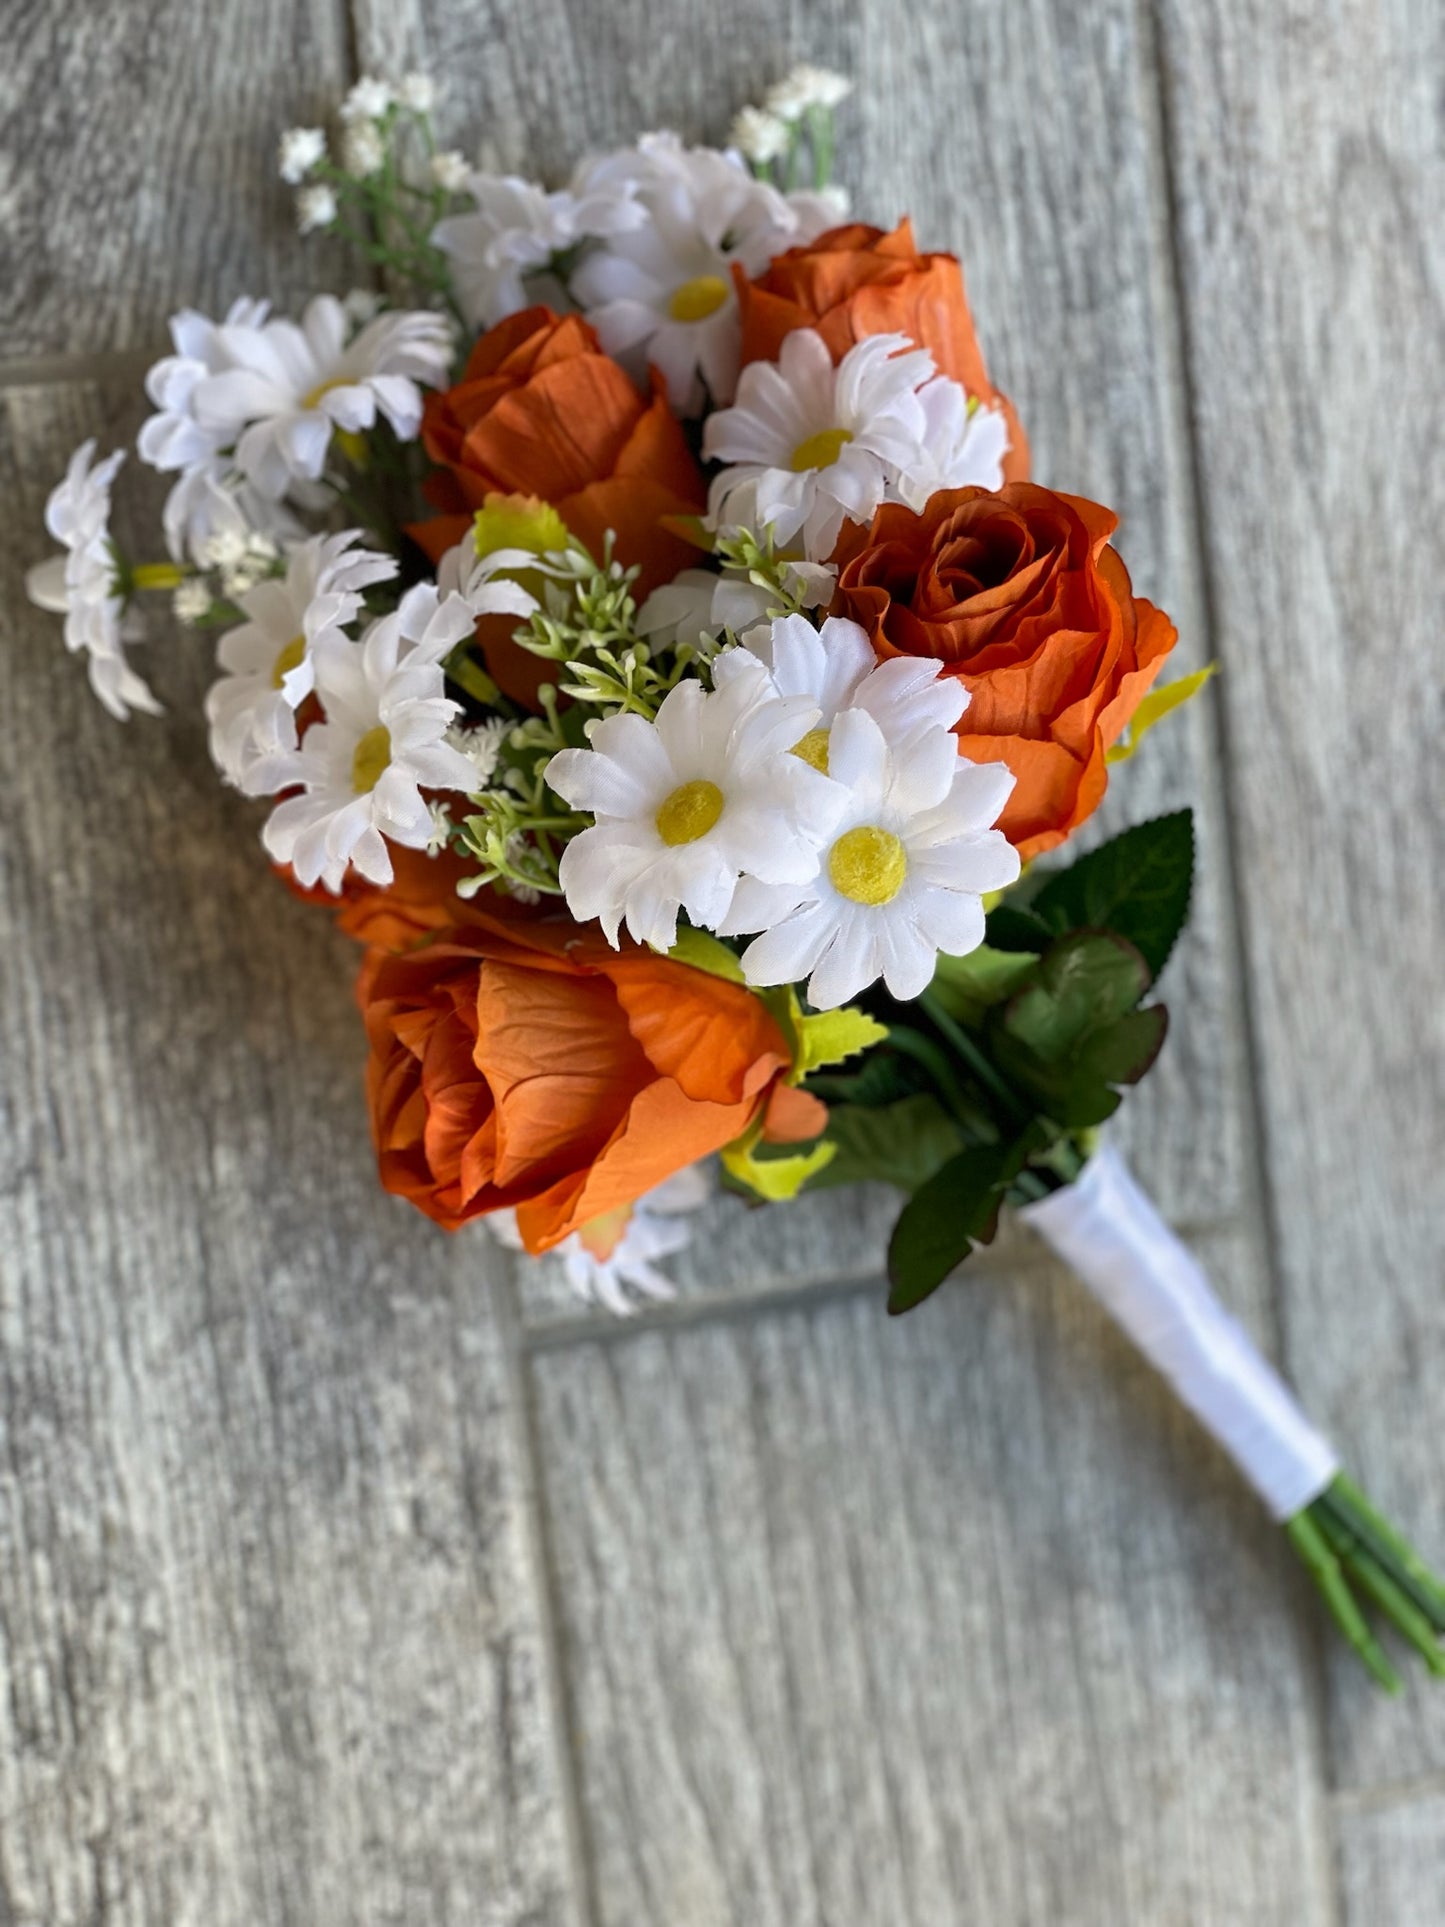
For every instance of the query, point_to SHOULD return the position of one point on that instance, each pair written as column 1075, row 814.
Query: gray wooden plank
column 139, row 171
column 1020, row 132
column 954, row 1618
column 1392, row 1862
column 271, row 1640
column 1308, row 152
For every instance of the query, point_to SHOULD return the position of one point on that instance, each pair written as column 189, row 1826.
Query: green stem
column 963, row 1045
column 1313, row 1548
column 1394, row 1551
column 1397, row 1606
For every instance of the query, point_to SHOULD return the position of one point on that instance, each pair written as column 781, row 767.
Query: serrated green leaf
column 944, row 1219
column 1137, row 885
column 828, row 1036
column 1087, row 981
column 775, row 1179
column 902, row 1143
column 968, row 986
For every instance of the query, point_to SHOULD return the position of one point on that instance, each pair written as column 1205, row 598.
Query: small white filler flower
column 687, row 804
column 362, row 771
column 809, row 445
column 269, row 670
column 617, row 1253
column 300, row 150
column 902, row 878
column 83, row 583
column 284, row 389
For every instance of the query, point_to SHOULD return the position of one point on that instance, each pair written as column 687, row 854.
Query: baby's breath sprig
column 756, row 557
column 386, row 188
column 587, row 623
column 519, row 826
column 794, row 124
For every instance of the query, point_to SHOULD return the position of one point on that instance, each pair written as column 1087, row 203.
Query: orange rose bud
column 529, row 1064
column 855, row 281
column 542, row 412
column 1019, row 594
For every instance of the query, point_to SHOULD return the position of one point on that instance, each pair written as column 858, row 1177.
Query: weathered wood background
column 344, row 1581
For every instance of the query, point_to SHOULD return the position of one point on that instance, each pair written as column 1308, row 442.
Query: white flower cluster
column 644, row 242
column 809, row 445
column 247, row 407
column 813, row 796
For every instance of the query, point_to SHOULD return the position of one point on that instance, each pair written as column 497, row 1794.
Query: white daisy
column 963, row 445
column 614, row 1254
column 662, row 294
column 268, row 663
column 902, row 876
column 362, row 771
column 283, row 389
column 809, row 445
column 84, row 584
column 687, row 804
column 517, row 227
column 836, row 668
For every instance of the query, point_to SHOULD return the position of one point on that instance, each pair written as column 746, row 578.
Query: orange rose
column 541, row 411
column 420, row 898
column 1020, row 595
column 856, row 281
column 530, row 1064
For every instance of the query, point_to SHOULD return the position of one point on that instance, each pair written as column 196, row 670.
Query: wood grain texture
column 1392, row 1863
column 137, row 170
column 948, row 1619
column 270, row 1642
column 1021, row 133
column 1311, row 175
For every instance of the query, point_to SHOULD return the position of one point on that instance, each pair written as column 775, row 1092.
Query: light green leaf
column 1154, row 707
column 703, row 952
column 968, row 986
column 774, row 1179
column 831, row 1035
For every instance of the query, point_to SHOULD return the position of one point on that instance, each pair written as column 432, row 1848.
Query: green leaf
column 942, row 1222
column 883, row 1077
column 828, row 1036
column 775, row 1179
column 1085, row 983
column 902, row 1143
column 704, row 952
column 1137, row 886
column 1154, row 707
column 1010, row 927
column 1122, row 1053
column 968, row 986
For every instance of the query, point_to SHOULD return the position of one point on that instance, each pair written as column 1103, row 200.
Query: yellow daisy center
column 813, row 748
column 868, row 865
column 695, row 300
column 820, row 450
column 689, row 812
column 373, row 753
column 289, row 659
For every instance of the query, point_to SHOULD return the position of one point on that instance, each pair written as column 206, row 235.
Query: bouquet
column 636, row 609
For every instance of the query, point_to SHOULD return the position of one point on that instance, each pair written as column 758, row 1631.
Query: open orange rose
column 1019, row 594
column 856, row 281
column 529, row 1064
column 420, row 898
column 542, row 412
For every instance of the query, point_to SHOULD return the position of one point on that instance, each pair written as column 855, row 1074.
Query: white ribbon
column 1107, row 1230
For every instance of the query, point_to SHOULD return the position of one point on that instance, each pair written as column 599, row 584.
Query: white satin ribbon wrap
column 1106, row 1229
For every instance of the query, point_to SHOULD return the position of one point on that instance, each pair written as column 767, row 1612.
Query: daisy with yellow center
column 686, row 805
column 902, row 875
column 360, row 774
column 808, row 445
column 267, row 663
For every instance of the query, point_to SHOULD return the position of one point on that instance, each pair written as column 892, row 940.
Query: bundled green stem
column 1348, row 1546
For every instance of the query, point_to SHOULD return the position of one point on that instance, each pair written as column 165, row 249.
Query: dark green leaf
column 882, row 1077
column 1085, row 983
column 1122, row 1053
column 955, row 1210
column 1013, row 928
column 902, row 1144
column 1137, row 885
